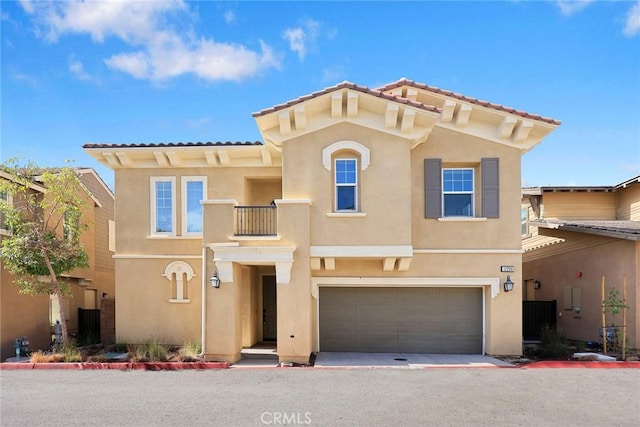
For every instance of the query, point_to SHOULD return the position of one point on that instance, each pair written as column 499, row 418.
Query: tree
column 45, row 223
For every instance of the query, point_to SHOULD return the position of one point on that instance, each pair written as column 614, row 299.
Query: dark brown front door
column 269, row 309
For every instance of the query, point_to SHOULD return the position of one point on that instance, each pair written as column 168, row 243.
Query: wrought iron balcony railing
column 256, row 220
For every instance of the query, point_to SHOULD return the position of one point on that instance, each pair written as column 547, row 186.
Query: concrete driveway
column 406, row 360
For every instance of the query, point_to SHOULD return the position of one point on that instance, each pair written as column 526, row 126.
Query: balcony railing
column 256, row 220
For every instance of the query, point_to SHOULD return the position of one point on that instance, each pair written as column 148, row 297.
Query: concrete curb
column 581, row 364
column 180, row 366
column 122, row 366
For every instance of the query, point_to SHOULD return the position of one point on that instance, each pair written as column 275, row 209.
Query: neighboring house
column 34, row 316
column 572, row 237
column 368, row 220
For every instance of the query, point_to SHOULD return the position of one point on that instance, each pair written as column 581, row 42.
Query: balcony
column 256, row 220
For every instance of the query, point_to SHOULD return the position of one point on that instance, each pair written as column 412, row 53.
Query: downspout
column 204, row 300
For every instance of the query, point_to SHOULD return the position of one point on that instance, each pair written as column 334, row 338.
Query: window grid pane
column 457, row 188
column 346, row 177
column 194, row 195
column 164, row 207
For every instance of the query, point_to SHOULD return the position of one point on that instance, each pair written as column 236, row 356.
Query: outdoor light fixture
column 215, row 280
column 508, row 285
column 536, row 284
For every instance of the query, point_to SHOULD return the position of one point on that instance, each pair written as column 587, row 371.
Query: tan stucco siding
column 133, row 208
column 21, row 315
column 383, row 188
column 583, row 269
column 628, row 204
column 143, row 310
column 579, row 206
column 461, row 150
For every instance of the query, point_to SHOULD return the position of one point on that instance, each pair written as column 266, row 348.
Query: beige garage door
column 404, row 320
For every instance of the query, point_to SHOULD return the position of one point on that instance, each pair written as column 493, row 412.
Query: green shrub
column 152, row 351
column 189, row 352
column 553, row 343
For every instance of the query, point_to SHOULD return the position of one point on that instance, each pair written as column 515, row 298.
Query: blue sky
column 154, row 71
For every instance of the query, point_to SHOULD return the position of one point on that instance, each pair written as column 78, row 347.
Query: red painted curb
column 581, row 364
column 123, row 366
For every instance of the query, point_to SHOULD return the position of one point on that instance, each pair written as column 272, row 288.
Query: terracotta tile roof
column 407, row 82
column 346, row 85
column 620, row 229
column 171, row 144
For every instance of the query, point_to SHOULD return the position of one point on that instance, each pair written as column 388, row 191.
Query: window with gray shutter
column 490, row 188
column 432, row 188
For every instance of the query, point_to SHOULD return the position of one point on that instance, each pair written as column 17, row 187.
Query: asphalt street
column 322, row 397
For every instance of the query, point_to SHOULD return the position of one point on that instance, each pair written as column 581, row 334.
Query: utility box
column 21, row 346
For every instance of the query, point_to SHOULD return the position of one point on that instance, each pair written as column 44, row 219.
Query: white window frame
column 185, row 217
column 472, row 192
column 524, row 222
column 153, row 221
column 336, row 184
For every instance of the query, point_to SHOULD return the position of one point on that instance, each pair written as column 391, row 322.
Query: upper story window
column 452, row 192
column 163, row 216
column 346, row 182
column 346, row 160
column 457, row 192
column 193, row 192
column 524, row 222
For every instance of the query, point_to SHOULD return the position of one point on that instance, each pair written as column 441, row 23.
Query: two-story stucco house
column 382, row 220
column 92, row 288
column 573, row 236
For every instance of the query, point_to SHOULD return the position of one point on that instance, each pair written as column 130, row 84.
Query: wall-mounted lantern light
column 508, row 285
column 536, row 284
column 215, row 280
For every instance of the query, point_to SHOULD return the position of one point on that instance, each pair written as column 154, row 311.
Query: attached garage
column 401, row 319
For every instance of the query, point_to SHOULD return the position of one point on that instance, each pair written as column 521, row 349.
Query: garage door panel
column 423, row 320
column 376, row 328
column 376, row 313
column 416, row 313
column 419, row 296
column 375, row 295
column 341, row 328
column 418, row 328
column 341, row 295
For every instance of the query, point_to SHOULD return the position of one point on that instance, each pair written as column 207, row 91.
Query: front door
column 269, row 310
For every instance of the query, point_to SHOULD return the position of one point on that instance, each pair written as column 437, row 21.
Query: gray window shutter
column 490, row 188
column 432, row 188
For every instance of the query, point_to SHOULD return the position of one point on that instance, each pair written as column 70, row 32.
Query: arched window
column 343, row 157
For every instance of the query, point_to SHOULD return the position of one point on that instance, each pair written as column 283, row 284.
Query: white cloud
column 24, row 78
column 632, row 24
column 159, row 51
column 77, row 69
column 297, row 41
column 27, row 5
column 303, row 37
column 229, row 17
column 569, row 7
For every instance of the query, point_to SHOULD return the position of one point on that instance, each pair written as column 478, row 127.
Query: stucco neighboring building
column 572, row 237
column 381, row 220
column 34, row 315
